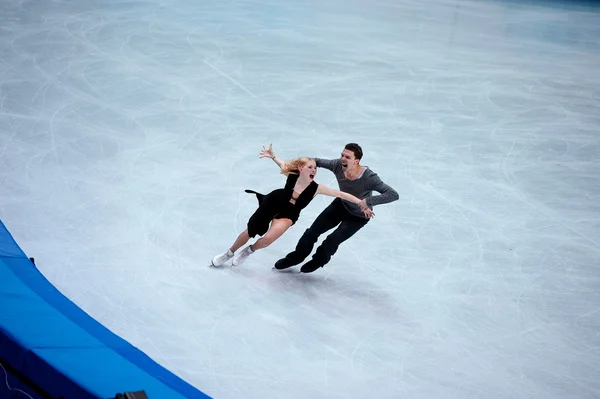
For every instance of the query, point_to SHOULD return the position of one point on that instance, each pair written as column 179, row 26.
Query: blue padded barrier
column 62, row 350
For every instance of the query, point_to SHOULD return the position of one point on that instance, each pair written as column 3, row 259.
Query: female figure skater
column 281, row 208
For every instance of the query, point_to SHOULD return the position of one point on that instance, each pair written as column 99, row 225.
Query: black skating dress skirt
column 277, row 205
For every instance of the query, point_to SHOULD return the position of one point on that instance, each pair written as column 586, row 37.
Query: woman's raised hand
column 267, row 152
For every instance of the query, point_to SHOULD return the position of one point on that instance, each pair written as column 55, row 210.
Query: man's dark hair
column 355, row 148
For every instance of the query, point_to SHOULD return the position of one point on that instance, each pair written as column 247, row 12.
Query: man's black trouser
column 335, row 214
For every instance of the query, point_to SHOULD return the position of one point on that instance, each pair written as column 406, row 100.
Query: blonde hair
column 294, row 165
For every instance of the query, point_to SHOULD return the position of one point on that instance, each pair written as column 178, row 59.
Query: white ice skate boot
column 242, row 255
column 222, row 258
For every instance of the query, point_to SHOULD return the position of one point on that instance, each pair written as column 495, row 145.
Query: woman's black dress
column 277, row 205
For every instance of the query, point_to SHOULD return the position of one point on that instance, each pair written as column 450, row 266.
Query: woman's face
column 309, row 171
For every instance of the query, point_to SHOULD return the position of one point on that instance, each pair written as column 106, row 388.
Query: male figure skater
column 354, row 179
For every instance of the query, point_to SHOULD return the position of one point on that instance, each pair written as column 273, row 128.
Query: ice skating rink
column 129, row 130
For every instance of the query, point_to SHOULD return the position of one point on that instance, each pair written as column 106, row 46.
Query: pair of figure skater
column 350, row 211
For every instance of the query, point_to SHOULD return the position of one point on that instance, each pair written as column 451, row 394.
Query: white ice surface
column 128, row 131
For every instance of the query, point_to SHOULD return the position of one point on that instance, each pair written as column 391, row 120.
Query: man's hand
column 369, row 213
column 363, row 205
column 365, row 209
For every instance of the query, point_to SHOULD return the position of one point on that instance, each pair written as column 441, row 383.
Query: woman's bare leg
column 278, row 227
column 241, row 240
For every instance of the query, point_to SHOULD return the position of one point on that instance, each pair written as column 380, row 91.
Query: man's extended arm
column 387, row 194
column 326, row 163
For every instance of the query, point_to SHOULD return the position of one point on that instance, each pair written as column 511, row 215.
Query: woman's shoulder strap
column 291, row 181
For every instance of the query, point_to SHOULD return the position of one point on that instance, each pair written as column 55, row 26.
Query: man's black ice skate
column 284, row 263
column 310, row 267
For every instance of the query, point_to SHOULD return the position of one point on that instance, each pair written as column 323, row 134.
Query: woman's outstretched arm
column 348, row 197
column 268, row 153
column 336, row 193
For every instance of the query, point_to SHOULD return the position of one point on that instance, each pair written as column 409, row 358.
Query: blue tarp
column 61, row 349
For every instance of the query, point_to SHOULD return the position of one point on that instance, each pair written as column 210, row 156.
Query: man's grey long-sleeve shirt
column 362, row 187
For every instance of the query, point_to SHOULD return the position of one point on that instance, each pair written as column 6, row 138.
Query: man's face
column 348, row 159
